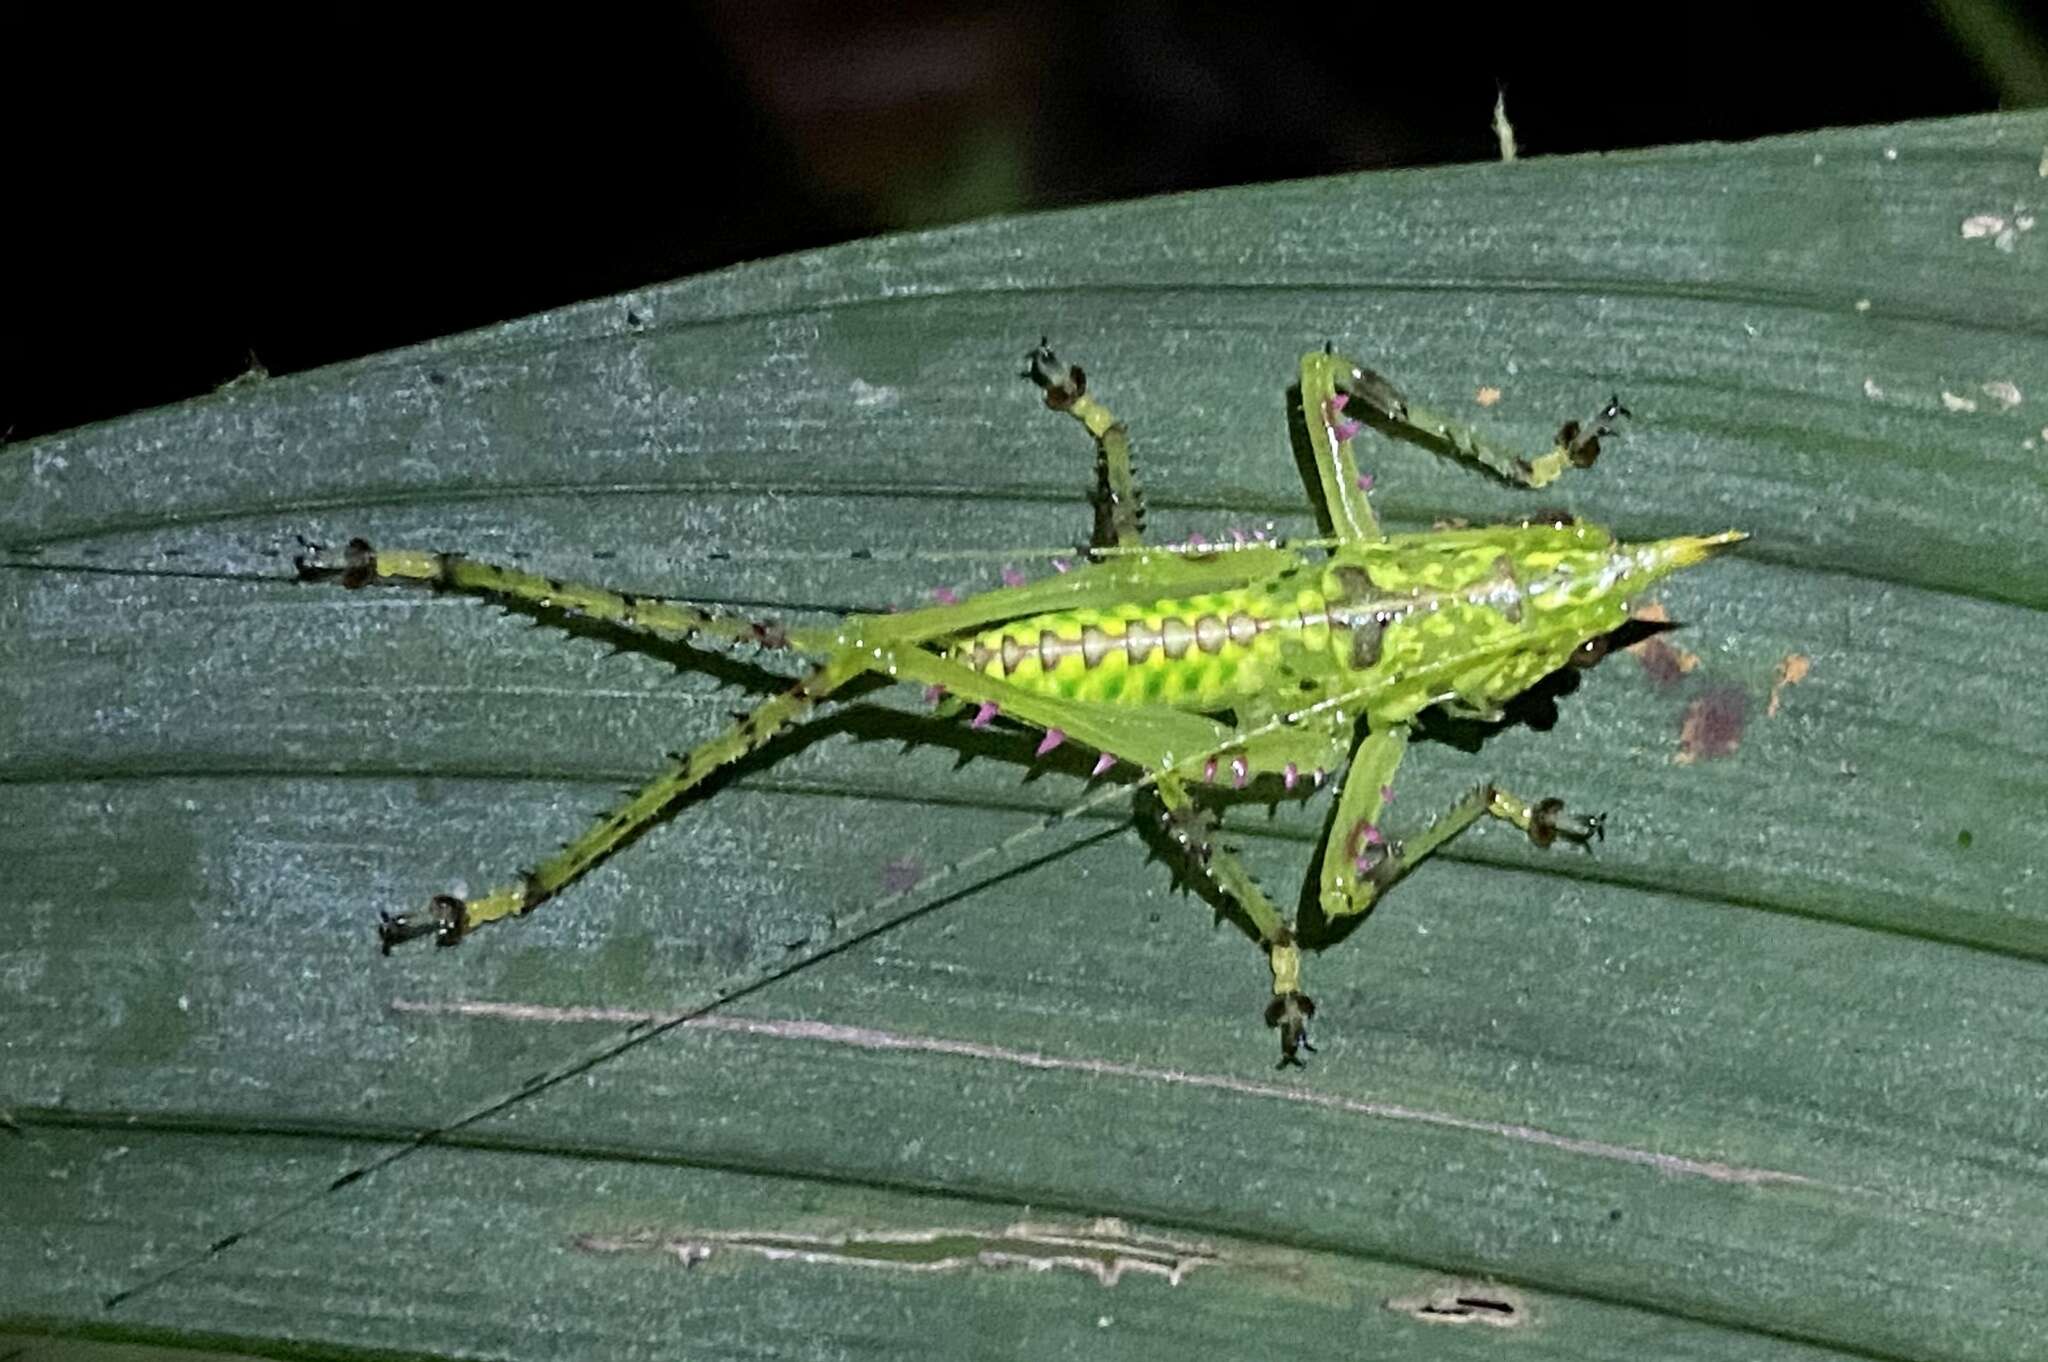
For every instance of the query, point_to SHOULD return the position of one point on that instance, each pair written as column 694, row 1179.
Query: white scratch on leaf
column 2004, row 392
column 1104, row 1249
column 869, row 1038
column 866, row 394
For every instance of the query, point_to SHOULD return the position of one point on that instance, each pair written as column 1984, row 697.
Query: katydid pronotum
column 1180, row 665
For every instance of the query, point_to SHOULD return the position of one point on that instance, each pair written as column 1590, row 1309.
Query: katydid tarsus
column 1181, row 665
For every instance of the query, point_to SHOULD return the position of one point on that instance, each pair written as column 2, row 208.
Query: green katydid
column 1181, row 665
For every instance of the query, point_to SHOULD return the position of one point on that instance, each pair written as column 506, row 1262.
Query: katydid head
column 1470, row 618
column 1589, row 598
column 1569, row 607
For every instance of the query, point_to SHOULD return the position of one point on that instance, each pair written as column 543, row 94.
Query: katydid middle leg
column 1176, row 750
column 1360, row 863
column 1331, row 382
column 1119, row 504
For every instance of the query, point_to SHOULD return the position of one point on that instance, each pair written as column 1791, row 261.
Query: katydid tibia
column 1181, row 665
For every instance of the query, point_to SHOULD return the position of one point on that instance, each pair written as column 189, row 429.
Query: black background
column 196, row 202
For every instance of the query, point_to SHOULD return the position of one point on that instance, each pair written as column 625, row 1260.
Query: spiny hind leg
column 1119, row 504
column 360, row 565
column 448, row 918
column 1360, row 863
column 1296, row 754
column 1193, row 828
column 1577, row 444
column 1209, row 752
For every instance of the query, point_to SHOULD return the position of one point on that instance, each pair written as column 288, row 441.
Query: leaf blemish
column 902, row 874
column 1664, row 663
column 1791, row 671
column 1713, row 725
column 1465, row 1302
column 1104, row 1249
column 2001, row 229
column 867, row 394
column 870, row 1038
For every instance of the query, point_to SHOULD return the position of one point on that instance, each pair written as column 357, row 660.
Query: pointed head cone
column 1643, row 564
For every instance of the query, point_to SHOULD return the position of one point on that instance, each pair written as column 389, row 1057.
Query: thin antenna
column 735, row 987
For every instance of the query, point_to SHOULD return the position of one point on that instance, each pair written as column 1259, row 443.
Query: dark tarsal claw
column 441, row 919
column 1063, row 383
column 1290, row 1012
column 1548, row 821
column 356, row 567
column 1582, row 443
column 312, row 565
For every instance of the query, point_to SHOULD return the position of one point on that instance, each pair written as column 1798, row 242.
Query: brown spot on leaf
column 1713, row 725
column 1664, row 663
column 1791, row 672
column 901, row 874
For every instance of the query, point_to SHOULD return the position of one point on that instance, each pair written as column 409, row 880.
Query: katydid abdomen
column 1470, row 616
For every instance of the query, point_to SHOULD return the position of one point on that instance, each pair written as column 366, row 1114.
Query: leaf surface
column 1762, row 1078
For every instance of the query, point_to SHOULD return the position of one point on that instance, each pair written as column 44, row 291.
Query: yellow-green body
column 1468, row 618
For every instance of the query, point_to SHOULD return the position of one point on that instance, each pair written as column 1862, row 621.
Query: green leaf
column 1761, row 1078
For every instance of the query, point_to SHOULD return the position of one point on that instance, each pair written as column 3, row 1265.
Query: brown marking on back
column 1354, row 583
column 1367, row 632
